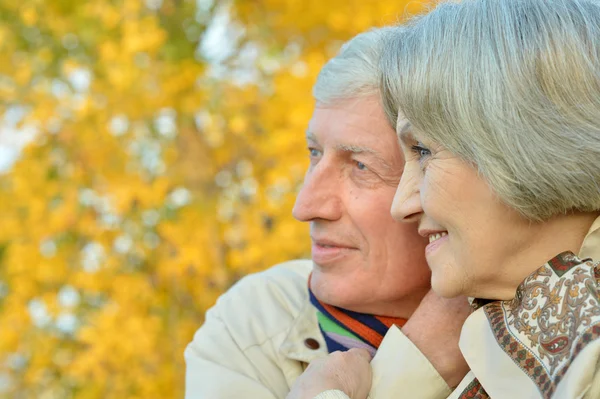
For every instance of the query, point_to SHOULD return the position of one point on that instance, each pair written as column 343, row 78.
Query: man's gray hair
column 511, row 86
column 354, row 71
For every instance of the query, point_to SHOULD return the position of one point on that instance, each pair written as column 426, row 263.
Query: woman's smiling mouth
column 437, row 236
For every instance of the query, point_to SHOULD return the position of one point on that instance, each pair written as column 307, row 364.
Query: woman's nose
column 407, row 202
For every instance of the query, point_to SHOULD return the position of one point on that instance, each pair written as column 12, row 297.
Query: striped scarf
column 344, row 329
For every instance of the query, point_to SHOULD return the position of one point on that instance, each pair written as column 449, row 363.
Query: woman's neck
column 559, row 234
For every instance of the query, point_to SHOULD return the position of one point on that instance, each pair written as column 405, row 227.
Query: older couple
column 498, row 113
column 497, row 107
column 368, row 275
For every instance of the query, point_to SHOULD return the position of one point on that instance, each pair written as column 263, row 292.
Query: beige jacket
column 262, row 333
column 543, row 344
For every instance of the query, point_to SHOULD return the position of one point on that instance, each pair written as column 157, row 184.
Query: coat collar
column 591, row 243
column 305, row 327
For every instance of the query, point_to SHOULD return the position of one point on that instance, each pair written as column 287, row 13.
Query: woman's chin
column 445, row 287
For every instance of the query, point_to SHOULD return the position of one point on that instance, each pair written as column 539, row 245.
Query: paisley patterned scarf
column 344, row 329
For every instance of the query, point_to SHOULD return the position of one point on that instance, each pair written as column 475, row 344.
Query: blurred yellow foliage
column 162, row 167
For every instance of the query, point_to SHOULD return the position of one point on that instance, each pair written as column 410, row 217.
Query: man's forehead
column 367, row 106
column 361, row 116
column 358, row 126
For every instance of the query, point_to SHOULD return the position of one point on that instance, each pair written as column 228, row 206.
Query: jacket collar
column 591, row 243
column 304, row 327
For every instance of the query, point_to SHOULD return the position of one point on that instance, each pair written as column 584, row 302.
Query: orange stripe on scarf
column 372, row 337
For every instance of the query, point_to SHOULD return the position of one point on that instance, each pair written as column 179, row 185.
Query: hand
column 435, row 328
column 349, row 372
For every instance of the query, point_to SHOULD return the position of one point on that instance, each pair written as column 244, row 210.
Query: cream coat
column 253, row 344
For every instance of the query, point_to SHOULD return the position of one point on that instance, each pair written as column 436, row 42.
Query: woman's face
column 472, row 234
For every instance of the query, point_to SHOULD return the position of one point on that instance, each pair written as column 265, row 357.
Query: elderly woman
column 498, row 109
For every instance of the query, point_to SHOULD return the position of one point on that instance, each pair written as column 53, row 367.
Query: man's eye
column 361, row 166
column 314, row 153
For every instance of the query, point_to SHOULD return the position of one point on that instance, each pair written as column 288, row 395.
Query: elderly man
column 368, row 275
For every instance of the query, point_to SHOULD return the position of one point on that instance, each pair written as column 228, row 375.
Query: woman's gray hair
column 511, row 86
column 354, row 71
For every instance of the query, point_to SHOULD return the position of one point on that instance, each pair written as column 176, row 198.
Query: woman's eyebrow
column 405, row 133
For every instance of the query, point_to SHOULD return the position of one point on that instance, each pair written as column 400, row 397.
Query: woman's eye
column 421, row 151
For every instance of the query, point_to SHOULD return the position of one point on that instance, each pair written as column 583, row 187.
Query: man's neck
column 401, row 307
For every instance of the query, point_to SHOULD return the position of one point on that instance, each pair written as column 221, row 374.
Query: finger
column 361, row 353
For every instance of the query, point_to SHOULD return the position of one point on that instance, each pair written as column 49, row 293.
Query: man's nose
column 320, row 196
column 407, row 201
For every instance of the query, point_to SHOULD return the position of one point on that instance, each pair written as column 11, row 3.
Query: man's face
column 363, row 260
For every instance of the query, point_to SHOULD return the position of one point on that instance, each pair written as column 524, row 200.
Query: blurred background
column 150, row 154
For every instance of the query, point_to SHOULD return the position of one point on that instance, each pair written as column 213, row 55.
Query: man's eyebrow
column 310, row 136
column 354, row 149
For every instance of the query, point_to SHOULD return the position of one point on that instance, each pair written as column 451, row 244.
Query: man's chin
column 357, row 295
column 328, row 288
